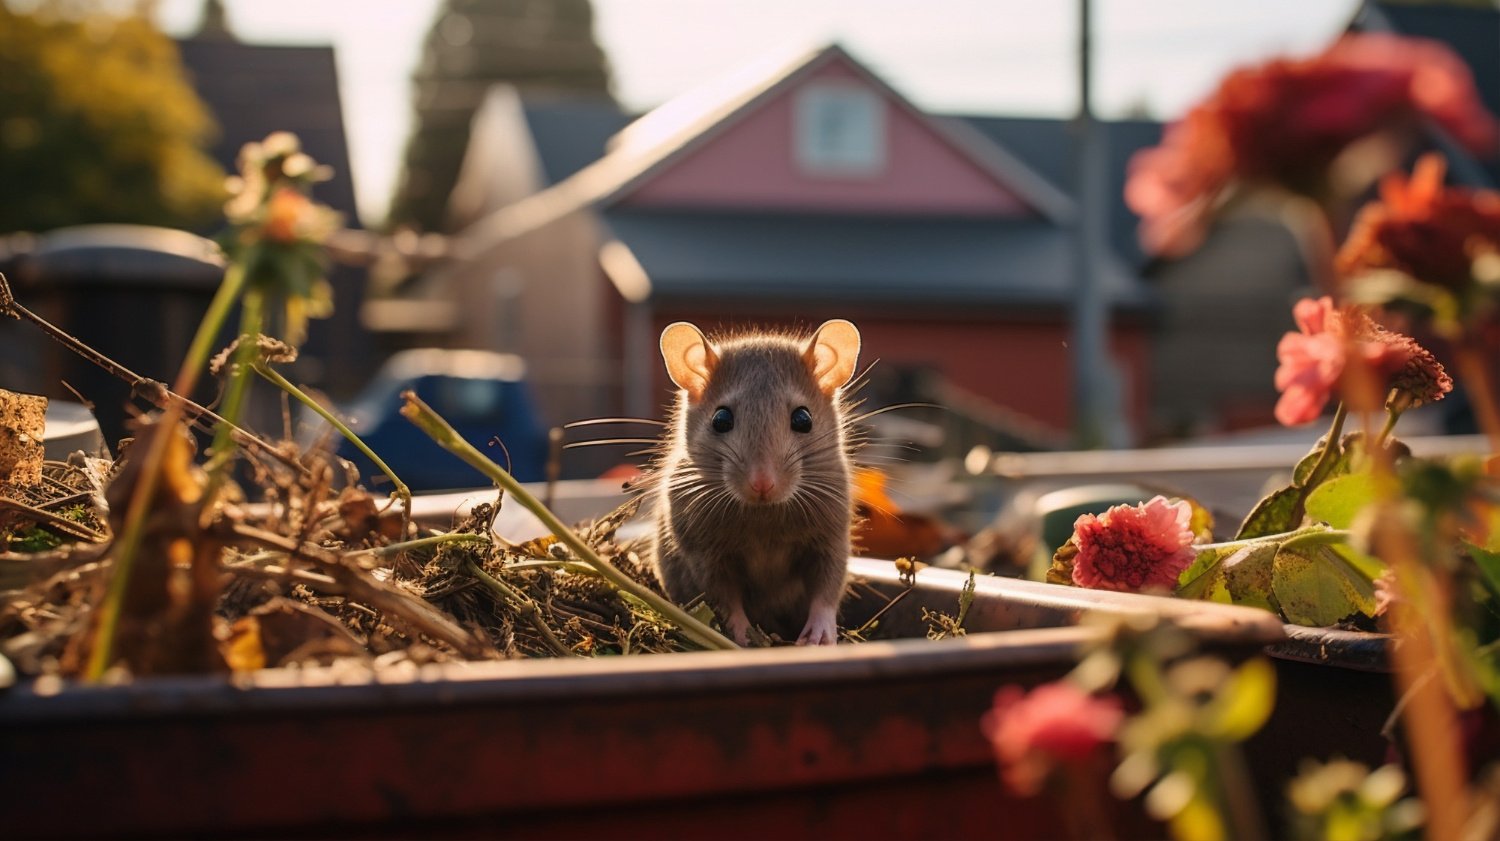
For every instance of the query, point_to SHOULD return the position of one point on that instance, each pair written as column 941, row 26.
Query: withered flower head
column 1285, row 121
column 1444, row 236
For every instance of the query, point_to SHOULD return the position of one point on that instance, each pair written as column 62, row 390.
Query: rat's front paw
column 738, row 626
column 821, row 629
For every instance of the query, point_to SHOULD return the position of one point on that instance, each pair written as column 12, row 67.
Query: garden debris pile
column 311, row 576
column 316, row 574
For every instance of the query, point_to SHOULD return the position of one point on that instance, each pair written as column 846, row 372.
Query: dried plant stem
column 148, row 389
column 275, row 572
column 438, row 429
column 401, row 491
column 566, row 566
column 361, row 587
column 125, row 547
column 524, row 605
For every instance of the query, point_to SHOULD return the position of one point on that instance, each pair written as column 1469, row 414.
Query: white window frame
column 863, row 152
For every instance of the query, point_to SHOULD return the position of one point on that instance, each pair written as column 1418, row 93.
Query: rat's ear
column 832, row 353
column 690, row 358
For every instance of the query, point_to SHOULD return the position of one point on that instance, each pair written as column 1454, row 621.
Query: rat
column 753, row 497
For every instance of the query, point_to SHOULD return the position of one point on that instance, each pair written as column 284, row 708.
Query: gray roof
column 255, row 89
column 1047, row 146
column 571, row 132
column 874, row 259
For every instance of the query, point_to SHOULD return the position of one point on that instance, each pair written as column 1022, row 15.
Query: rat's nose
column 762, row 484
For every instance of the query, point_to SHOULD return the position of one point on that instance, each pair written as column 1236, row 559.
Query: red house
column 784, row 196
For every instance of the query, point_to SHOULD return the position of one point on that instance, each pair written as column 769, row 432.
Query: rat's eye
column 723, row 420
column 801, row 419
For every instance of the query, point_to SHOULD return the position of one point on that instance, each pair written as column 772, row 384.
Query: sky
column 1014, row 57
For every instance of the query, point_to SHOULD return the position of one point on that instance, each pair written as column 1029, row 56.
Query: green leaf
column 1315, row 585
column 1367, row 565
column 1204, row 579
column 1338, row 501
column 1277, row 513
column 1247, row 574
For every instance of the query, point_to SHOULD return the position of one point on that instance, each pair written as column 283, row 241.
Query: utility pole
column 1097, row 417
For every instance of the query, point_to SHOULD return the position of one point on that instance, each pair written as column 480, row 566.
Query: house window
column 839, row 130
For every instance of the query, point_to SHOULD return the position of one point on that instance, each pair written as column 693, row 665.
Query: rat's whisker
column 601, row 442
column 891, row 408
column 601, row 421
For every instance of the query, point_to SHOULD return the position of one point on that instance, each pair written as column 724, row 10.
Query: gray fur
column 777, row 560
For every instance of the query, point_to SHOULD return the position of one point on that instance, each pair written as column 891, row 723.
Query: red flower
column 1056, row 723
column 1430, row 232
column 1285, row 121
column 1134, row 547
column 1314, row 361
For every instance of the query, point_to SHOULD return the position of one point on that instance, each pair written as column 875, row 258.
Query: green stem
column 101, row 653
column 524, row 605
column 208, row 329
column 224, row 446
column 401, row 490
column 438, row 429
column 1391, row 416
column 422, row 543
column 1265, row 538
column 1330, row 447
column 132, row 532
column 1325, row 462
column 1319, row 537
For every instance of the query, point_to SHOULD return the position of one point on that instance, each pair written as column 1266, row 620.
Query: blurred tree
column 98, row 123
column 536, row 45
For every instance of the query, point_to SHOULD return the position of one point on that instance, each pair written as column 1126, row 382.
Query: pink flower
column 1311, row 362
column 1314, row 360
column 1057, row 723
column 1134, row 547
